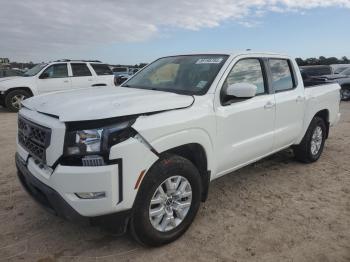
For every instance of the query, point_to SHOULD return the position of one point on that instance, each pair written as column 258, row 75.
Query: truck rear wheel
column 14, row 98
column 167, row 201
column 311, row 147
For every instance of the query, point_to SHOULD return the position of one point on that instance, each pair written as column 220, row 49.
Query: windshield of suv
column 188, row 74
column 34, row 70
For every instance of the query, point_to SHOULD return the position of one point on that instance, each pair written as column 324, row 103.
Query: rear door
column 81, row 76
column 54, row 78
column 289, row 97
column 103, row 74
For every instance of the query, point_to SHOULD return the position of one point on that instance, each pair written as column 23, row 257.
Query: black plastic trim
column 119, row 162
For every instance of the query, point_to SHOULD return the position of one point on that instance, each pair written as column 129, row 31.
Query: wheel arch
column 324, row 114
column 196, row 154
column 25, row 88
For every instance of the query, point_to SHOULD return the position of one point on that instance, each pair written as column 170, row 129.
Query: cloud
column 36, row 28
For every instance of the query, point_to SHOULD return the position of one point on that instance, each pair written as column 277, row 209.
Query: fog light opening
column 91, row 195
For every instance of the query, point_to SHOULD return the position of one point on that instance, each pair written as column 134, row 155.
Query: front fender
column 18, row 82
column 188, row 136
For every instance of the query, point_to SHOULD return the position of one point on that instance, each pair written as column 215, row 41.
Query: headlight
column 84, row 142
column 97, row 141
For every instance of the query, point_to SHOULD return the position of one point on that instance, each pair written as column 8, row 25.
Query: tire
column 345, row 93
column 311, row 147
column 13, row 99
column 170, row 167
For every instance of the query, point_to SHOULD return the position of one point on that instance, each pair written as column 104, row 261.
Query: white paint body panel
column 231, row 136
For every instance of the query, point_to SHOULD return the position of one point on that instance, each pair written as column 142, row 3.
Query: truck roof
column 239, row 53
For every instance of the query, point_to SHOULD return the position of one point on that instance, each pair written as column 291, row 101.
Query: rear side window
column 102, row 69
column 80, row 69
column 282, row 78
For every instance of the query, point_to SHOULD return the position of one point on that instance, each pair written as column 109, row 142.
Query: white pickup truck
column 141, row 156
column 56, row 76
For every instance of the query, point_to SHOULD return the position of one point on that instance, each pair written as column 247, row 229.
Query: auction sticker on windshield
column 209, row 60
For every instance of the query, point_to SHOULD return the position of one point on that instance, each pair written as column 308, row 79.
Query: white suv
column 60, row 75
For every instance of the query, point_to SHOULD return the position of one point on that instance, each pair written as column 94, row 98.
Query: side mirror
column 241, row 90
column 44, row 75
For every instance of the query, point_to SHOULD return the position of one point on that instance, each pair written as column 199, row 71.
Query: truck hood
column 105, row 102
column 8, row 78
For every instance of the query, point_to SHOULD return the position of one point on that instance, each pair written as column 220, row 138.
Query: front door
column 54, row 78
column 245, row 127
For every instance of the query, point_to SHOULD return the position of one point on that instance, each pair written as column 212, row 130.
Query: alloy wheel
column 170, row 203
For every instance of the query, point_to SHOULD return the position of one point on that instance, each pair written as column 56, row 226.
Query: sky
column 135, row 31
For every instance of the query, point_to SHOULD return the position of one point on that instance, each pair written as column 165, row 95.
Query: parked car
column 345, row 72
column 117, row 71
column 62, row 75
column 317, row 70
column 121, row 78
column 142, row 156
column 339, row 68
column 310, row 81
column 10, row 73
column 122, row 74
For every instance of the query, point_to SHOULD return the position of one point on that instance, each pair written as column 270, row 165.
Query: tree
column 345, row 60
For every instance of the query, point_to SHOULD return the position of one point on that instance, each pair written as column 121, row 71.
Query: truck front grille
column 34, row 138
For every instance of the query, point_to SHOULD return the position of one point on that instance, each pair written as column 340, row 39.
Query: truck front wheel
column 14, row 98
column 167, row 201
column 311, row 147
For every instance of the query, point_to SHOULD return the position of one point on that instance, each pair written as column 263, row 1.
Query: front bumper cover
column 55, row 204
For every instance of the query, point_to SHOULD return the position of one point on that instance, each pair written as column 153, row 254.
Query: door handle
column 90, row 79
column 269, row 105
column 65, row 81
column 300, row 99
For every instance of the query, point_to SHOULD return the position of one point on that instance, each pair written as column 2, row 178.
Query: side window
column 102, row 69
column 57, row 71
column 80, row 69
column 246, row 71
column 282, row 79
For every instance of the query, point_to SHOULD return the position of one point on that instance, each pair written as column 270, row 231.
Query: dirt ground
column 274, row 210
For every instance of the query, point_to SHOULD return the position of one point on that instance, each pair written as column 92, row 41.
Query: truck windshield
column 34, row 70
column 189, row 74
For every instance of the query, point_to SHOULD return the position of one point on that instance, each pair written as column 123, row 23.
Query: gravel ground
column 274, row 210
